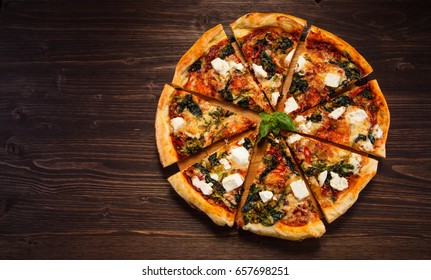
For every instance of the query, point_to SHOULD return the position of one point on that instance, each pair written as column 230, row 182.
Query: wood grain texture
column 80, row 176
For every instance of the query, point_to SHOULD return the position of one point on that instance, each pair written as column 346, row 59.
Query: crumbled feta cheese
column 220, row 65
column 177, row 123
column 337, row 182
column 322, row 178
column 304, row 128
column 300, row 63
column 366, row 146
column 206, row 188
column 214, row 176
column 237, row 66
column 299, row 189
column 289, row 56
column 239, row 155
column 300, row 119
column 293, row 138
column 258, row 70
column 356, row 116
column 355, row 160
column 274, row 98
column 377, row 131
column 332, row 80
column 265, row 196
column 242, row 141
column 225, row 163
column 290, row 105
column 337, row 112
column 232, row 182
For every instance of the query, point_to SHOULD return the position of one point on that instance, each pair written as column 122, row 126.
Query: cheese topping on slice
column 299, row 189
column 357, row 116
column 225, row 163
column 220, row 65
column 299, row 65
column 177, row 123
column 274, row 98
column 290, row 105
column 332, row 80
column 265, row 196
column 337, row 113
column 355, row 160
column 239, row 155
column 377, row 131
column 232, row 182
column 293, row 138
column 258, row 70
column 214, row 176
column 237, row 66
column 242, row 141
column 366, row 146
column 337, row 182
column 206, row 188
column 322, row 178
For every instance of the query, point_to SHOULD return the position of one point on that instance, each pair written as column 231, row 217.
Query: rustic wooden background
column 80, row 176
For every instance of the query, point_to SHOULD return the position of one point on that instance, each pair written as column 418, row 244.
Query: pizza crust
column 383, row 119
column 315, row 33
column 314, row 229
column 167, row 153
column 344, row 202
column 210, row 38
column 218, row 214
column 245, row 24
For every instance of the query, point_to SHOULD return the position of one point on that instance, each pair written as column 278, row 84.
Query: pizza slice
column 278, row 202
column 186, row 124
column 268, row 42
column 358, row 118
column 213, row 68
column 326, row 65
column 215, row 184
column 336, row 175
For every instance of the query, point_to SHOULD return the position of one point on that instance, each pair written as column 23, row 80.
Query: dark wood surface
column 80, row 176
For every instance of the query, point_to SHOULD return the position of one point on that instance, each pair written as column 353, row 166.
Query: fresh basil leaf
column 285, row 121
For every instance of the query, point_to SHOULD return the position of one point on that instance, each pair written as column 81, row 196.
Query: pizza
column 283, row 184
column 186, row 123
column 213, row 68
column 214, row 185
column 336, row 175
column 268, row 42
column 358, row 119
column 326, row 66
column 278, row 202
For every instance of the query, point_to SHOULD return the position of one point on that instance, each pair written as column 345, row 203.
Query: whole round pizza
column 272, row 130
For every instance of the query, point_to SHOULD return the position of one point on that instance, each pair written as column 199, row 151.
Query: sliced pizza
column 213, row 68
column 326, row 65
column 186, row 123
column 336, row 175
column 358, row 118
column 278, row 202
column 215, row 184
column 268, row 42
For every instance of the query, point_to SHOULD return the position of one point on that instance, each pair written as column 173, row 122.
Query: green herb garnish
column 274, row 123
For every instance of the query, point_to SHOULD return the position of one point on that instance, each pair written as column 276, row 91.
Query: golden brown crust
column 345, row 201
column 167, row 153
column 210, row 38
column 383, row 119
column 279, row 230
column 219, row 215
column 245, row 24
column 318, row 34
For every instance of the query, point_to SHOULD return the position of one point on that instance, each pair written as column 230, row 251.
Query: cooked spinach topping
column 271, row 163
column 367, row 94
column 298, row 85
column 289, row 162
column 343, row 168
column 247, row 144
column 255, row 211
column 216, row 185
column 285, row 44
column 225, row 93
column 213, row 159
column 372, row 138
column 226, row 51
column 201, row 168
column 361, row 137
column 196, row 66
column 267, row 64
column 342, row 100
column 352, row 72
column 244, row 102
column 188, row 103
column 190, row 146
column 315, row 118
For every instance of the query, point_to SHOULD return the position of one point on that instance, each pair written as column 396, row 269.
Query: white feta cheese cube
column 332, row 80
column 237, row 66
column 293, row 138
column 206, row 188
column 232, row 182
column 265, row 196
column 225, row 163
column 274, row 98
column 322, row 178
column 214, row 176
column 337, row 182
column 258, row 70
column 290, row 105
column 220, row 65
column 357, row 116
column 337, row 113
column 299, row 189
column 177, row 123
column 239, row 155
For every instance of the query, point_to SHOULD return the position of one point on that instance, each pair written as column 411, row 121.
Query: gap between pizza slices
column 279, row 189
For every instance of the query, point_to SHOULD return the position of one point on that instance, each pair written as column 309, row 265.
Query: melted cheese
column 221, row 66
column 177, row 123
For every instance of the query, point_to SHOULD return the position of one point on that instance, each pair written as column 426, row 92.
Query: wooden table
column 80, row 176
